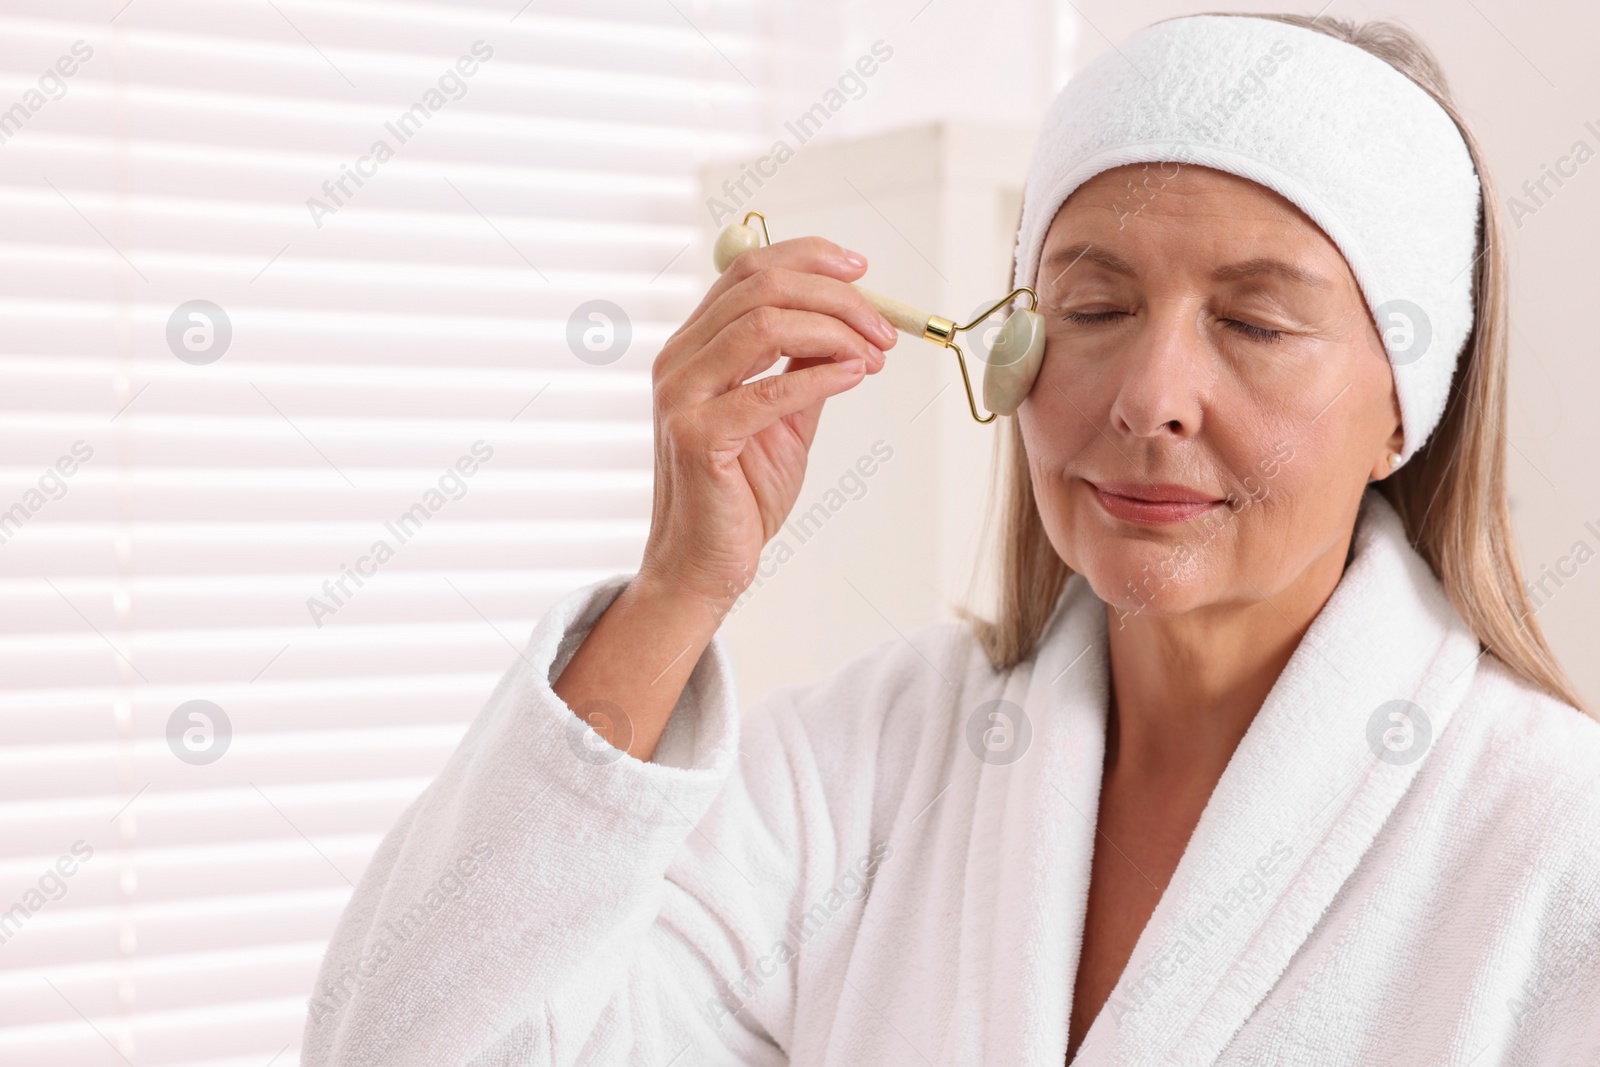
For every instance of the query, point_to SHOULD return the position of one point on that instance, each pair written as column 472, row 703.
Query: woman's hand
column 730, row 455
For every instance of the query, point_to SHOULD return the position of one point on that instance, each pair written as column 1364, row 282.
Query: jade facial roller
column 1012, row 363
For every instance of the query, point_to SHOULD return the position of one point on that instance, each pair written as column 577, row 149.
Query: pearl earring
column 1394, row 461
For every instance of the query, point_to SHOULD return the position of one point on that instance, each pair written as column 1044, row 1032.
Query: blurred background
column 325, row 341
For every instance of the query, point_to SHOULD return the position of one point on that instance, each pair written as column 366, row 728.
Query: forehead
column 1154, row 211
column 1185, row 178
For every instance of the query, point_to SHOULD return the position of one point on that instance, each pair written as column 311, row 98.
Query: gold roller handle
column 908, row 319
column 935, row 328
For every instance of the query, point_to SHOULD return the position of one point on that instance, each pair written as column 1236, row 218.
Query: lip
column 1152, row 504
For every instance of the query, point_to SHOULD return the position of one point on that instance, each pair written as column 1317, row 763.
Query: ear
column 1382, row 466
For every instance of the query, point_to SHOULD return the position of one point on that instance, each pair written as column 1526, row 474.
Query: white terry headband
column 1364, row 151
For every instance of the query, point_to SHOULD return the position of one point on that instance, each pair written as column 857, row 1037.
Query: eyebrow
column 1251, row 268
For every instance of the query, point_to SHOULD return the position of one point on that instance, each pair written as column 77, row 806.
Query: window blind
column 283, row 282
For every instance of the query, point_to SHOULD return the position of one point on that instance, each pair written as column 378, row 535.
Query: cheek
column 1057, row 429
column 1302, row 493
column 1075, row 368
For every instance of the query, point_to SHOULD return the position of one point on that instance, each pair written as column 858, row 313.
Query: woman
column 1264, row 759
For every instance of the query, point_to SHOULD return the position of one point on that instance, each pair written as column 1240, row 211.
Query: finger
column 811, row 255
column 795, row 290
column 757, row 340
column 753, row 406
column 815, row 255
column 802, row 423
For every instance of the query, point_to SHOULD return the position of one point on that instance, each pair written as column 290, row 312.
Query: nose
column 1163, row 377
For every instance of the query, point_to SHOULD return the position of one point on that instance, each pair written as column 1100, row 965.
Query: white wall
column 991, row 63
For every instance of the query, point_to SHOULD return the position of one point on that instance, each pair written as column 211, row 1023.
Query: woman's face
column 1214, row 395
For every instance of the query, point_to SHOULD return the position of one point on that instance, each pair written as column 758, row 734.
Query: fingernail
column 885, row 329
column 855, row 366
column 855, row 259
column 875, row 355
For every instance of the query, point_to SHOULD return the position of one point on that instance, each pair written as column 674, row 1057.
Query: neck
column 1185, row 688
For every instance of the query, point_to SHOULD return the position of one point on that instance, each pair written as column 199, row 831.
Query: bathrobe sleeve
column 551, row 900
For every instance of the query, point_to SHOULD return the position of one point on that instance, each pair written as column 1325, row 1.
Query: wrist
column 675, row 605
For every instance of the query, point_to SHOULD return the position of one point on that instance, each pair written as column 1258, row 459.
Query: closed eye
column 1088, row 316
column 1256, row 333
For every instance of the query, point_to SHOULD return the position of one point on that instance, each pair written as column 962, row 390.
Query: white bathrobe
column 840, row 879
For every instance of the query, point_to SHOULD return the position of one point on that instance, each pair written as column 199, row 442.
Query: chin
column 1151, row 598
column 1147, row 577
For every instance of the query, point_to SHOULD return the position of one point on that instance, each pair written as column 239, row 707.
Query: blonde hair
column 1451, row 496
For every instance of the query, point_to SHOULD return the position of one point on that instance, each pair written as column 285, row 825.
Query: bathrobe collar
column 1319, row 770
